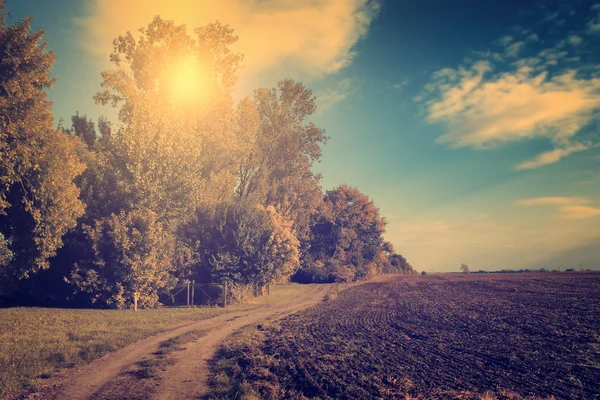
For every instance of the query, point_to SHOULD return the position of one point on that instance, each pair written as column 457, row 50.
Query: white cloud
column 482, row 110
column 552, row 201
column 552, row 156
column 593, row 26
column 505, row 40
column 578, row 212
column 533, row 38
column 567, row 207
column 574, row 40
column 400, row 84
column 340, row 91
column 484, row 104
column 301, row 37
column 514, row 49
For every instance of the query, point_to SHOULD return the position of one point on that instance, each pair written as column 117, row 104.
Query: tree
column 131, row 262
column 176, row 145
column 465, row 268
column 38, row 199
column 277, row 167
column 245, row 244
column 173, row 152
column 84, row 129
column 348, row 231
column 401, row 264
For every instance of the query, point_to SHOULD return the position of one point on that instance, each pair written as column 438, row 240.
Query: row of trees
column 186, row 185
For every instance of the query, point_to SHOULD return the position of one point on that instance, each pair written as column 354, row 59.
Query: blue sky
column 473, row 125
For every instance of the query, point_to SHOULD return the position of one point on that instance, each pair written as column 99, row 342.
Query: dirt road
column 120, row 375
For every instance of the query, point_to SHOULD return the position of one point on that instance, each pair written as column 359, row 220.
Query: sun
column 187, row 81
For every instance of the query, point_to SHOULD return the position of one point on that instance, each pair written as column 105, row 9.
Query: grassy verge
column 240, row 361
column 36, row 342
column 150, row 368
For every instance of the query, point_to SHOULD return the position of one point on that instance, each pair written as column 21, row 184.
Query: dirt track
column 115, row 376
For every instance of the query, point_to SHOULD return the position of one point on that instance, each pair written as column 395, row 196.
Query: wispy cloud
column 566, row 207
column 303, row 37
column 578, row 212
column 593, row 26
column 513, row 49
column 552, row 156
column 574, row 40
column 400, row 84
column 544, row 94
column 336, row 93
column 552, row 201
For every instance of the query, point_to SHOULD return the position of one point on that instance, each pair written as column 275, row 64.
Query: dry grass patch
column 36, row 342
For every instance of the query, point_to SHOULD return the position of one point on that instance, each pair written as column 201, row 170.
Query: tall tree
column 277, row 169
column 174, row 147
column 38, row 199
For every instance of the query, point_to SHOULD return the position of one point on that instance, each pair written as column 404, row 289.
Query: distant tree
column 465, row 268
column 38, row 199
column 423, row 273
column 131, row 262
column 348, row 231
column 401, row 264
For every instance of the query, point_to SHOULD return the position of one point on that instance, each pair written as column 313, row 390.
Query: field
column 36, row 342
column 438, row 336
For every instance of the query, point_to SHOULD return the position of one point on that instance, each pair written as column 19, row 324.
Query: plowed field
column 440, row 336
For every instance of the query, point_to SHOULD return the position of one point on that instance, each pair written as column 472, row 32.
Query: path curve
column 186, row 377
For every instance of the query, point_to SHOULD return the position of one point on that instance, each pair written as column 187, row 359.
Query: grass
column 149, row 368
column 36, row 342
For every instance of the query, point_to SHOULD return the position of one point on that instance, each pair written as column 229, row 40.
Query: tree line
column 112, row 213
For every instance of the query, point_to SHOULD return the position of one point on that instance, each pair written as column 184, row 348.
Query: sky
column 473, row 125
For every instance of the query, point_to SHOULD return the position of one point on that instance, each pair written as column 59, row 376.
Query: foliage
column 276, row 169
column 6, row 254
column 245, row 244
column 38, row 199
column 172, row 151
column 132, row 260
column 465, row 268
column 347, row 233
column 185, row 185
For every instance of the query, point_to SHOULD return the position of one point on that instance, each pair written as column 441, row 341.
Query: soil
column 500, row 336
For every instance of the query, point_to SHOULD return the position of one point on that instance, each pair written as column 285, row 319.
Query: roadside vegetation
column 36, row 342
column 187, row 183
column 453, row 336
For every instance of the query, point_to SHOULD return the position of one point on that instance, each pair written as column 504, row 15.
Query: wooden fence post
column 135, row 301
column 225, row 294
column 188, row 293
column 193, row 286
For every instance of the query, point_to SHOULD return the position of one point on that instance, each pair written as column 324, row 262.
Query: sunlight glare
column 187, row 82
